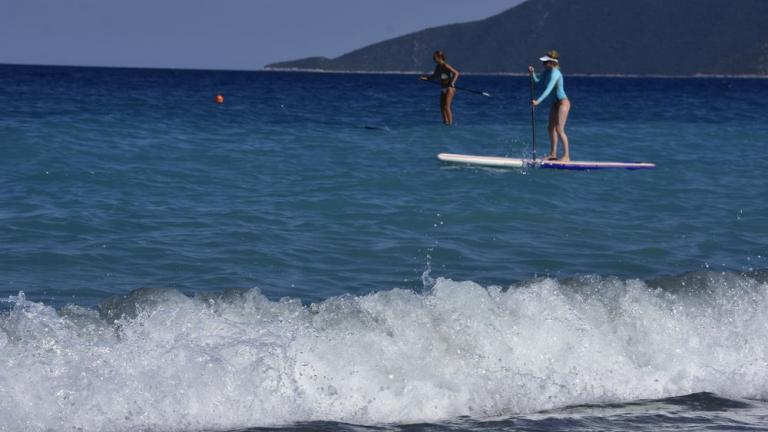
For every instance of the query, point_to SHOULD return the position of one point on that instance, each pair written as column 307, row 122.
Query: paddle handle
column 533, row 121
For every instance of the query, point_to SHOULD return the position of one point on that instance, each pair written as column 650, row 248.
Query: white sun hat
column 547, row 58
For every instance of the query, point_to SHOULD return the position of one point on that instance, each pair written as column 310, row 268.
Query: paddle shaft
column 463, row 89
column 533, row 123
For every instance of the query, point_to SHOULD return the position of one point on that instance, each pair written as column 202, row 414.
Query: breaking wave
column 161, row 360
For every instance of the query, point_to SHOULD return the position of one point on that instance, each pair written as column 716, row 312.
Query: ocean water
column 298, row 259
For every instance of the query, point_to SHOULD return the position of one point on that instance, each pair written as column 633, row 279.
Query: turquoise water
column 120, row 179
column 258, row 254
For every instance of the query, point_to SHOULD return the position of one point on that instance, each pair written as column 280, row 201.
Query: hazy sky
column 217, row 34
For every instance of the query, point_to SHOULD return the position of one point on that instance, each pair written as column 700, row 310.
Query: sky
column 213, row 34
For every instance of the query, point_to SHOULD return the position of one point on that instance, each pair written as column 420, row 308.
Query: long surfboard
column 505, row 162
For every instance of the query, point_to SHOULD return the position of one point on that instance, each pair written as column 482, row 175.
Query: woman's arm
column 454, row 72
column 433, row 76
column 553, row 77
column 532, row 74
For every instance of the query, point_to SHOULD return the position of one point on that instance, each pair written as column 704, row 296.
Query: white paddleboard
column 505, row 162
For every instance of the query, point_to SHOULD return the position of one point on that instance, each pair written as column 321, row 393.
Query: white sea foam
column 163, row 361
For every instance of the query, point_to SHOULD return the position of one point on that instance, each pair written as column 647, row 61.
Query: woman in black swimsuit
column 448, row 75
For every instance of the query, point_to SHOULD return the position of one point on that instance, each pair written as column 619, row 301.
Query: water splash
column 160, row 360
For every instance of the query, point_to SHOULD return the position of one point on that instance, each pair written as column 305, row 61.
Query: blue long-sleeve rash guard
column 554, row 79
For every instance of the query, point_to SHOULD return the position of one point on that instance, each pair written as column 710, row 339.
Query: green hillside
column 638, row 37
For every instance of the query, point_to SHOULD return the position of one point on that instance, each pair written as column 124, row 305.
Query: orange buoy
column 219, row 99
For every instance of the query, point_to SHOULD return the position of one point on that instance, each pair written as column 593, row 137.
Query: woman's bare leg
column 562, row 117
column 442, row 107
column 552, row 130
column 447, row 113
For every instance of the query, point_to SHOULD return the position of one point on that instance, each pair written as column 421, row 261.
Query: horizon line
column 363, row 72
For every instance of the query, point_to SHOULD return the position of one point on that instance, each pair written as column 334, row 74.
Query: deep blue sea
column 298, row 259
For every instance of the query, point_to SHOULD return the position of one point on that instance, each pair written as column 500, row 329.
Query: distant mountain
column 636, row 37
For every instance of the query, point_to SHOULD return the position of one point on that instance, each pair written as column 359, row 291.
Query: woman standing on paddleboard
column 558, row 112
column 448, row 75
